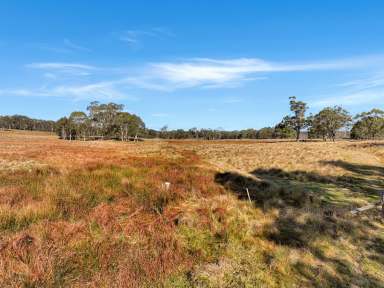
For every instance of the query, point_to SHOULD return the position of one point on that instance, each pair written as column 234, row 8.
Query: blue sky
column 227, row 64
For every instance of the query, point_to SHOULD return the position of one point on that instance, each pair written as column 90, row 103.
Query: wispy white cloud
column 99, row 90
column 49, row 48
column 53, row 68
column 201, row 72
column 118, row 82
column 64, row 46
column 225, row 73
column 75, row 47
column 130, row 37
column 376, row 80
column 351, row 99
column 368, row 90
column 134, row 38
column 22, row 92
column 60, row 66
column 198, row 72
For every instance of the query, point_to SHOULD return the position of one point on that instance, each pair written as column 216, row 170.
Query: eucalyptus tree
column 79, row 123
column 129, row 125
column 284, row 129
column 328, row 121
column 63, row 128
column 164, row 132
column 369, row 124
column 122, row 121
column 265, row 133
column 298, row 120
column 136, row 125
column 103, row 117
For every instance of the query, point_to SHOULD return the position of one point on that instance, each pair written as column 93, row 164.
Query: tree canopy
column 297, row 121
column 105, row 121
column 328, row 121
column 368, row 125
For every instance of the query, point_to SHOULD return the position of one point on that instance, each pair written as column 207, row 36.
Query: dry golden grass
column 290, row 156
column 98, row 214
column 47, row 149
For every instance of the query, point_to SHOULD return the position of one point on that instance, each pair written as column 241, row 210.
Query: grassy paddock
column 99, row 213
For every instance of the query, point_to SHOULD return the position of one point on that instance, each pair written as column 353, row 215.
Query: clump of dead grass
column 16, row 165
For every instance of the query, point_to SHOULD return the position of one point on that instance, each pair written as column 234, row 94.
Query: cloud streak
column 71, row 69
column 216, row 72
column 65, row 46
column 75, row 47
column 194, row 73
column 352, row 99
column 59, row 66
column 134, row 38
column 99, row 90
column 368, row 90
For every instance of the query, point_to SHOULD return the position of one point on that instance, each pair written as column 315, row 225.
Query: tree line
column 109, row 121
column 25, row 123
column 330, row 120
column 328, row 124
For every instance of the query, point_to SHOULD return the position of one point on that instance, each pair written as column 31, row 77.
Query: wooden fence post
column 249, row 197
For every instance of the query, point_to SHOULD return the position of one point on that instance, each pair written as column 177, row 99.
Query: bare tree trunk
column 297, row 134
column 63, row 134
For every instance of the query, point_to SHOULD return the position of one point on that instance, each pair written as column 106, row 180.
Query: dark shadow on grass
column 368, row 170
column 291, row 192
column 279, row 188
column 368, row 145
column 296, row 194
column 355, row 183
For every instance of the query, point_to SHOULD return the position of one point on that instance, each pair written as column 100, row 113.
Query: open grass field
column 100, row 214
